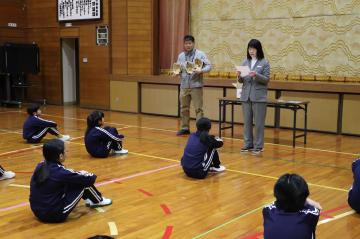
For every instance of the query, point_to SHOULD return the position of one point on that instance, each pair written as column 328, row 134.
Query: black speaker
column 22, row 58
column 2, row 60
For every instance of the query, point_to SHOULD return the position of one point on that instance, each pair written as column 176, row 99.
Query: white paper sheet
column 245, row 70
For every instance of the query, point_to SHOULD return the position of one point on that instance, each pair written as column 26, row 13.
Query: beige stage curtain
column 174, row 24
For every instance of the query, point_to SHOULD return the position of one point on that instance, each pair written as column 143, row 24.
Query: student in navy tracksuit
column 200, row 154
column 100, row 141
column 6, row 174
column 293, row 215
column 354, row 193
column 56, row 190
column 35, row 128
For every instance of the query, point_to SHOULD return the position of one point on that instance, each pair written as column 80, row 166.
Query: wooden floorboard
column 151, row 196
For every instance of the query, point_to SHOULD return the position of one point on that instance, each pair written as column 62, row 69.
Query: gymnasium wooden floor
column 151, row 196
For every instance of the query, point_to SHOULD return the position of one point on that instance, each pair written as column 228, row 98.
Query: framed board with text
column 77, row 10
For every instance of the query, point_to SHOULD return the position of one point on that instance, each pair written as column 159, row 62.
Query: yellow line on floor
column 345, row 214
column 282, row 145
column 99, row 209
column 113, row 229
column 275, row 178
column 19, row 185
column 237, row 171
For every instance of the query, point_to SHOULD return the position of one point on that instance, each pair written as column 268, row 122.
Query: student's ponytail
column 93, row 120
column 51, row 152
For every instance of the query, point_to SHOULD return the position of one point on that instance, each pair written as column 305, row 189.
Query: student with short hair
column 35, row 128
column 102, row 140
column 200, row 154
column 6, row 174
column 354, row 192
column 293, row 215
column 56, row 190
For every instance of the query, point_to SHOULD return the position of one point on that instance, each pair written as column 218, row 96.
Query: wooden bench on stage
column 277, row 104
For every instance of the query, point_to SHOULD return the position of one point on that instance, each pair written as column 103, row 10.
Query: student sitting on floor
column 56, row 190
column 354, row 193
column 293, row 215
column 200, row 154
column 35, row 128
column 6, row 174
column 100, row 141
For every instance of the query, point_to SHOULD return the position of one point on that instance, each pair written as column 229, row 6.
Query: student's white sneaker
column 7, row 175
column 220, row 169
column 65, row 138
column 104, row 202
column 122, row 151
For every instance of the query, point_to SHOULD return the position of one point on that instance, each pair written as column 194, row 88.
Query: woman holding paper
column 254, row 73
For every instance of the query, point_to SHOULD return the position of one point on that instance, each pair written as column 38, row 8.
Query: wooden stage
column 151, row 196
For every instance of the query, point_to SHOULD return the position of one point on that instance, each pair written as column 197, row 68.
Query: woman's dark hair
column 51, row 152
column 93, row 120
column 32, row 108
column 254, row 43
column 291, row 192
column 189, row 38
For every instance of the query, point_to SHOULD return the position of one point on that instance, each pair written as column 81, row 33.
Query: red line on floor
column 20, row 150
column 327, row 212
column 15, row 206
column 167, row 232
column 166, row 209
column 145, row 192
column 254, row 236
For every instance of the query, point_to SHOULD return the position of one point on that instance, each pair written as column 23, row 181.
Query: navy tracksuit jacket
column 35, row 128
column 279, row 224
column 200, row 155
column 54, row 199
column 354, row 193
column 99, row 141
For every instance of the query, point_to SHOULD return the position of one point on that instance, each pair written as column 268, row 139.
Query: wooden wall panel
column 140, row 44
column 41, row 13
column 124, row 96
column 119, row 37
column 132, row 49
column 12, row 35
column 351, row 114
column 12, row 11
column 47, row 32
column 159, row 99
column 47, row 84
column 94, row 75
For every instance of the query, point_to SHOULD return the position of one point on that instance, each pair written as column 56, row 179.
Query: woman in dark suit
column 254, row 96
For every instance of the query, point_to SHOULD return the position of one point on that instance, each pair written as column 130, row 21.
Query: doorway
column 70, row 70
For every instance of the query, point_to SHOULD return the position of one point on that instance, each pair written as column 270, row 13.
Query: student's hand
column 314, row 203
column 252, row 73
column 84, row 172
column 218, row 139
column 238, row 74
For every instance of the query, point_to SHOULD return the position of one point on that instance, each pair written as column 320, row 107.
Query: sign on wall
column 74, row 10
